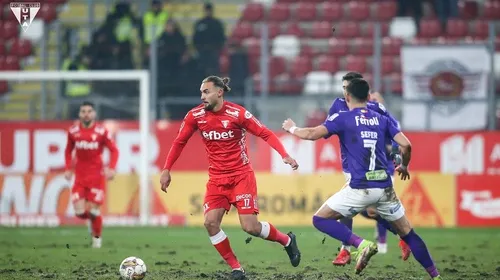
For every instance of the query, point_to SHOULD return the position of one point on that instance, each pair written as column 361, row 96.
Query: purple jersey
column 340, row 105
column 363, row 134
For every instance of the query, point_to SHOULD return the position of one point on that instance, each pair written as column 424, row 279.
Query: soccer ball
column 132, row 268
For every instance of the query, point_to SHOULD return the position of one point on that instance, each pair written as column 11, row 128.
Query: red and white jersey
column 224, row 134
column 88, row 144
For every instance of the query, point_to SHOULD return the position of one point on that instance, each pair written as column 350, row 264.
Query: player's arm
column 70, row 145
column 68, row 152
column 254, row 126
column 328, row 128
column 394, row 147
column 404, row 146
column 188, row 127
column 113, row 155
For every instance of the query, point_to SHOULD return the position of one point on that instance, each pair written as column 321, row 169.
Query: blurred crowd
column 124, row 41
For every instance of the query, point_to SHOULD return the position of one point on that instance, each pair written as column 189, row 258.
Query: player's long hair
column 219, row 82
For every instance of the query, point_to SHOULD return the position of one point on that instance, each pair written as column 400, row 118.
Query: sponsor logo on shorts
column 243, row 196
column 395, row 208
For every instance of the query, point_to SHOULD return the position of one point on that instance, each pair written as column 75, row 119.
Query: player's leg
column 346, row 203
column 215, row 206
column 95, row 199
column 78, row 199
column 391, row 209
column 344, row 255
column 244, row 198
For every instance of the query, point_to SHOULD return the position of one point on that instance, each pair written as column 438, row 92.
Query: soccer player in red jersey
column 88, row 139
column 223, row 126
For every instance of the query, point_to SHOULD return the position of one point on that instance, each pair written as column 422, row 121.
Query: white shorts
column 349, row 202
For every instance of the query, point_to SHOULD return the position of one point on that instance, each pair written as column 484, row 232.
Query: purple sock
column 348, row 223
column 381, row 233
column 337, row 230
column 420, row 252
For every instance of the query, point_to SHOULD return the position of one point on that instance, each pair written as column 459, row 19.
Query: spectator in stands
column 172, row 54
column 123, row 22
column 77, row 91
column 446, row 9
column 154, row 21
column 417, row 8
column 209, row 39
column 103, row 41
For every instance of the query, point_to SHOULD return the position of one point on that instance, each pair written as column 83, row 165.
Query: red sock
column 83, row 216
column 221, row 243
column 269, row 232
column 96, row 226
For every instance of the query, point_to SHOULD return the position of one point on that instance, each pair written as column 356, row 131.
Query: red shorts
column 89, row 190
column 239, row 191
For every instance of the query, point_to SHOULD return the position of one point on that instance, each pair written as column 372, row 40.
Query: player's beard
column 86, row 123
column 209, row 106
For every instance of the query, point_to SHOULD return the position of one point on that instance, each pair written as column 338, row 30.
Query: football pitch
column 186, row 253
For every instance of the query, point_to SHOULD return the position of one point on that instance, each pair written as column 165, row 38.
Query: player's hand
column 403, row 172
column 287, row 124
column 68, row 174
column 165, row 179
column 292, row 162
column 397, row 159
column 109, row 173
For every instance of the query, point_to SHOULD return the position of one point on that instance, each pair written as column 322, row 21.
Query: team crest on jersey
column 94, row 137
column 225, row 123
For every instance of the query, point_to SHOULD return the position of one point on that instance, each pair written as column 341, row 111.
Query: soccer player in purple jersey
column 363, row 133
column 340, row 105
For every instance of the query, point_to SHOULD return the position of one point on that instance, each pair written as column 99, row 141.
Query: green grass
column 186, row 253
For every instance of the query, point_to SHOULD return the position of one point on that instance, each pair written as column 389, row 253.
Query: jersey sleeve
column 188, row 127
column 391, row 128
column 113, row 150
column 333, row 125
column 254, row 126
column 68, row 152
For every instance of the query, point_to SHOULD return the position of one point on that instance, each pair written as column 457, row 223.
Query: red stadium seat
column 347, row 30
column 256, row 84
column 396, row 83
column 369, row 29
column 321, row 29
column 468, row 9
column 57, row 2
column 9, row 16
column 456, row 28
column 273, row 30
column 430, row 29
column 293, row 28
column 242, row 31
column 224, row 64
column 385, row 10
column 253, row 12
column 338, row 47
column 301, row 66
column 355, row 63
column 479, row 29
column 418, row 41
column 491, row 10
column 387, row 65
column 12, row 63
column 2, row 63
column 4, row 87
column 48, row 12
column 305, row 12
column 3, row 49
column 277, row 66
column 391, row 46
column 279, row 12
column 252, row 46
column 331, row 11
column 397, row 64
column 362, row 46
column 288, row 85
column 21, row 48
column 358, row 10
column 327, row 63
column 306, row 50
column 9, row 30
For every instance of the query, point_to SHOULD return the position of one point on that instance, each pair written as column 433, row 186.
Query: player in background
column 223, row 126
column 340, row 105
column 88, row 139
column 363, row 133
